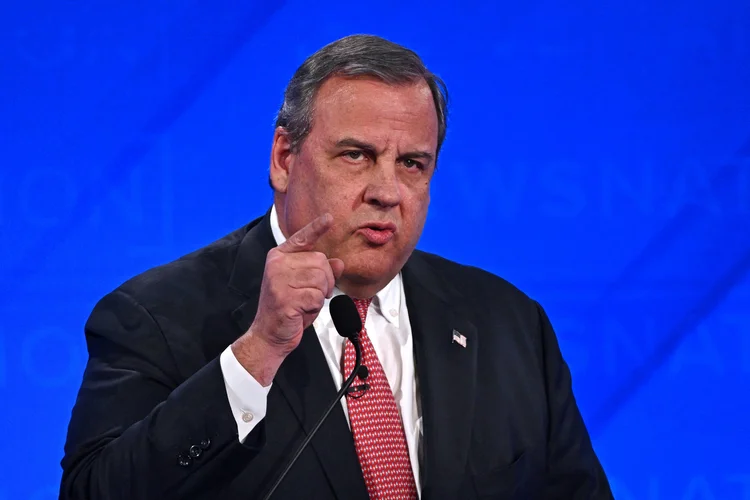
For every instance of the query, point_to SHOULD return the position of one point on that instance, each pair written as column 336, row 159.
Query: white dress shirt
column 389, row 330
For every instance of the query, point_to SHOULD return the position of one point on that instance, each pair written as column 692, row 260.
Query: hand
column 296, row 282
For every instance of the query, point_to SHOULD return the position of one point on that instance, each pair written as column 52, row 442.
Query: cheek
column 422, row 197
column 426, row 199
column 311, row 185
column 417, row 210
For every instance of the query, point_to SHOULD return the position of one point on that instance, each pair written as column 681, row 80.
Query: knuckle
column 314, row 298
column 320, row 259
column 298, row 239
column 274, row 255
column 321, row 280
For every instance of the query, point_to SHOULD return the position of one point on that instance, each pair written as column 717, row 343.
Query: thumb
column 337, row 266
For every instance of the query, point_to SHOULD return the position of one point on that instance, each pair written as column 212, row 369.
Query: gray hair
column 355, row 55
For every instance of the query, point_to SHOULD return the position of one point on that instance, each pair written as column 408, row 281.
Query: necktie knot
column 362, row 306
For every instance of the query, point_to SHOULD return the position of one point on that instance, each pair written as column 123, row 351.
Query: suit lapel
column 446, row 375
column 304, row 378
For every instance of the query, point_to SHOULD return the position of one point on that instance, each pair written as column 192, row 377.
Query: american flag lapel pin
column 458, row 338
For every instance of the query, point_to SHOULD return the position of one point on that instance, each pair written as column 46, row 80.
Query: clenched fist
column 296, row 282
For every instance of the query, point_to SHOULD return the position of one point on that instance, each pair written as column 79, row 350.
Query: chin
column 362, row 270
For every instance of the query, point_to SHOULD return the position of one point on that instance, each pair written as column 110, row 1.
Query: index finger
column 304, row 239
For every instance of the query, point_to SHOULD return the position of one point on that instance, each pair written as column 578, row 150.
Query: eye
column 354, row 155
column 411, row 163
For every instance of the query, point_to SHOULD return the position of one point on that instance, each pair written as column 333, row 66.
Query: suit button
column 184, row 459
column 205, row 443
column 196, row 451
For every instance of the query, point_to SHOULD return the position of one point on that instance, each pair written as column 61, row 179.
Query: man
column 205, row 374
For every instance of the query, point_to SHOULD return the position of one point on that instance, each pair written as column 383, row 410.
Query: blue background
column 598, row 156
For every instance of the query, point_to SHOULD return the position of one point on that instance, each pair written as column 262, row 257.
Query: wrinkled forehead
column 373, row 110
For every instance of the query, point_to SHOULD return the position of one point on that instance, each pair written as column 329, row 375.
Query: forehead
column 375, row 110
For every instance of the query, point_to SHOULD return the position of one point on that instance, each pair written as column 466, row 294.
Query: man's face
column 367, row 161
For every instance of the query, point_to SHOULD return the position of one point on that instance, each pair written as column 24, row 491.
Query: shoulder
column 507, row 320
column 189, row 279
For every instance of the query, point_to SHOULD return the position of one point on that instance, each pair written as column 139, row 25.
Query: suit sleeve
column 138, row 430
column 574, row 471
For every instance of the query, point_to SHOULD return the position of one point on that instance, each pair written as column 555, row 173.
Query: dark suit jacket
column 152, row 420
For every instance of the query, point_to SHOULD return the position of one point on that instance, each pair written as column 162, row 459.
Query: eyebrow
column 350, row 142
column 371, row 149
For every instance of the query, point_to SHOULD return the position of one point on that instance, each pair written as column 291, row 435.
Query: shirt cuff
column 247, row 398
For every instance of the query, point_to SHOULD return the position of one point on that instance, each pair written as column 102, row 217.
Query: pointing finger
column 304, row 239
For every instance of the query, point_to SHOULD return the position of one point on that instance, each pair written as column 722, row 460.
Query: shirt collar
column 387, row 301
column 275, row 228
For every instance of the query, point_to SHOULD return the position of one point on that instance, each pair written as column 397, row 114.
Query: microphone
column 348, row 323
column 358, row 391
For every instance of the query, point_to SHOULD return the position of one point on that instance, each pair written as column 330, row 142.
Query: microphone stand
column 354, row 339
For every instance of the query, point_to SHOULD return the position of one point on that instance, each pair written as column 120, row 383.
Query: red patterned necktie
column 376, row 425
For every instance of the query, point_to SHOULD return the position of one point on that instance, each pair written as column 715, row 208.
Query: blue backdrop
column 598, row 156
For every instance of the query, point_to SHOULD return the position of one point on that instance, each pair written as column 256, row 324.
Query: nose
column 384, row 189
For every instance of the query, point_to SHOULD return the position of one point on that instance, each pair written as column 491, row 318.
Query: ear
column 281, row 160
